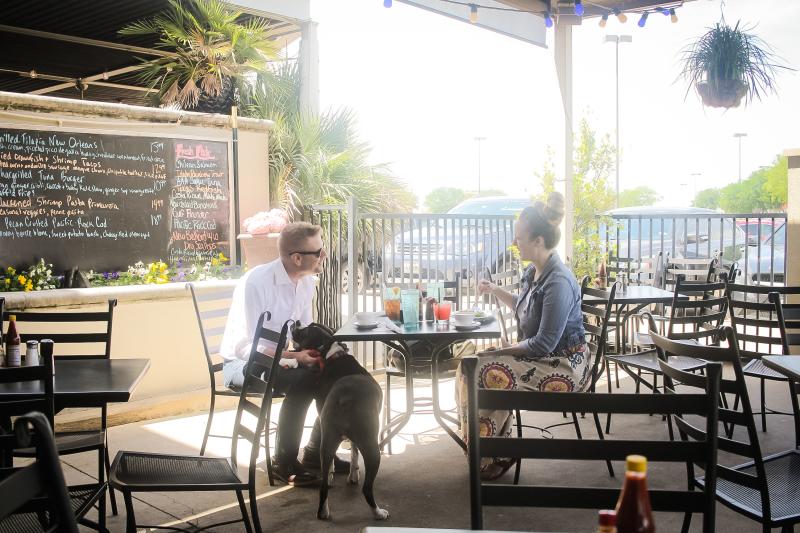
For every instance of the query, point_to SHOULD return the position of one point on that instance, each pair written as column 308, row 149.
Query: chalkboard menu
column 103, row 202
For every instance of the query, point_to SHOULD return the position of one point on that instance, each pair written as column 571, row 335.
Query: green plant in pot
column 729, row 64
column 212, row 49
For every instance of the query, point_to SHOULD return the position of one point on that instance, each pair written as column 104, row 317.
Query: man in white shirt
column 284, row 288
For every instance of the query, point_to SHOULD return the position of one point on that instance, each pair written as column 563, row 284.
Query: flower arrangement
column 271, row 221
column 158, row 272
column 38, row 277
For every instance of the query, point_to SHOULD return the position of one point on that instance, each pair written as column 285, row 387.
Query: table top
column 640, row 294
column 788, row 365
column 86, row 382
column 379, row 529
column 445, row 332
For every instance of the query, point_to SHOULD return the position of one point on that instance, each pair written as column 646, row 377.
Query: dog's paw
column 324, row 512
column 352, row 478
column 380, row 514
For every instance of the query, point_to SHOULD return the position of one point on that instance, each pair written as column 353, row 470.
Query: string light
column 579, row 8
column 643, row 19
column 672, row 16
column 387, row 3
column 473, row 13
column 33, row 74
column 604, row 20
column 548, row 20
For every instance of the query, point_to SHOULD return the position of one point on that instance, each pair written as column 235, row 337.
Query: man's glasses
column 315, row 253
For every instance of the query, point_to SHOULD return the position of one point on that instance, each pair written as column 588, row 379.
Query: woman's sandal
column 495, row 470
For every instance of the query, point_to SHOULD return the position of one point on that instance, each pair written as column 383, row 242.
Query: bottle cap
column 636, row 463
column 607, row 518
column 12, row 317
column 32, row 343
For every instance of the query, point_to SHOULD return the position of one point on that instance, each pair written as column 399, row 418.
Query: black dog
column 349, row 404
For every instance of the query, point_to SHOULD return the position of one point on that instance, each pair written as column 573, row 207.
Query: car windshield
column 494, row 206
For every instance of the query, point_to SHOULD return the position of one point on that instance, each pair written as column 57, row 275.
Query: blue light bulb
column 387, row 3
column 643, row 20
column 548, row 20
column 579, row 8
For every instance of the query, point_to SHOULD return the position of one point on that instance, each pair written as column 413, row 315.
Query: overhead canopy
column 51, row 45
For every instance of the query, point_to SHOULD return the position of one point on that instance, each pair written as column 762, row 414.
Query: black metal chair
column 764, row 488
column 152, row 472
column 757, row 330
column 83, row 497
column 789, row 322
column 575, row 449
column 694, row 319
column 34, row 497
column 88, row 330
column 396, row 365
column 596, row 319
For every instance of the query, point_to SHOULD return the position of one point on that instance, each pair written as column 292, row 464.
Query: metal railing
column 756, row 241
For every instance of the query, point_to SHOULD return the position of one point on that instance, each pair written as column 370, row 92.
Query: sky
column 424, row 86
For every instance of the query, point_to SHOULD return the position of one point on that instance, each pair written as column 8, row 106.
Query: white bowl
column 464, row 318
column 366, row 318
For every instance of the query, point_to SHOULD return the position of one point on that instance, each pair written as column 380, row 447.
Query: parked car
column 756, row 229
column 689, row 232
column 474, row 235
column 769, row 264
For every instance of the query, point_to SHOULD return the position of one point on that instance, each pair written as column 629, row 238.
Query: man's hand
column 305, row 357
column 485, row 286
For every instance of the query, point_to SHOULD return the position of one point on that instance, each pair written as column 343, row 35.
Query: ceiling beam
column 85, row 41
column 93, row 77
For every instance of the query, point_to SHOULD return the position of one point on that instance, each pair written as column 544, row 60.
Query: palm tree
column 318, row 159
column 213, row 51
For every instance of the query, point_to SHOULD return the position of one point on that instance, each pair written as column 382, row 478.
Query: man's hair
column 293, row 237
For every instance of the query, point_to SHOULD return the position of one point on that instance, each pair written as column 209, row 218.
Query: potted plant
column 213, row 51
column 260, row 236
column 728, row 64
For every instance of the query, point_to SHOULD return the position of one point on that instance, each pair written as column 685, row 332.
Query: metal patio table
column 788, row 365
column 85, row 382
column 440, row 336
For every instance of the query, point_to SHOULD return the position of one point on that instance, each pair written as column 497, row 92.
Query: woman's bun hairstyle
column 543, row 219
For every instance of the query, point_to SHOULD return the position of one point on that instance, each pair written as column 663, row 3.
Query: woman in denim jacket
column 551, row 354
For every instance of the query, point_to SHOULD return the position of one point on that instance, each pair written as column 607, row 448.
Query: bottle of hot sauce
column 13, row 354
column 607, row 522
column 634, row 514
column 602, row 275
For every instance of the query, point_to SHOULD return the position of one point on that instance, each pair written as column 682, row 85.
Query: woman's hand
column 485, row 286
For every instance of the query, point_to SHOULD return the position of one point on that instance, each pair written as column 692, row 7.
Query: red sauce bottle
column 634, row 514
column 13, row 342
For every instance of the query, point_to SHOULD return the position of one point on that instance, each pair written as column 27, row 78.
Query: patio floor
column 423, row 484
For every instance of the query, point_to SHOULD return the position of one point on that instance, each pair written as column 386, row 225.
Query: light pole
column 616, row 39
column 480, row 140
column 739, row 136
column 694, row 183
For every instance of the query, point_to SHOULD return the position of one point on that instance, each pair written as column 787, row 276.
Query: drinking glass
column 392, row 309
column 409, row 299
column 442, row 310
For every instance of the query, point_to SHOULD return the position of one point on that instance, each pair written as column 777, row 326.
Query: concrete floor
column 423, row 484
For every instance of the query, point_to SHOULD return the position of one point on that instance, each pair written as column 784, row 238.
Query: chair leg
column 616, row 373
column 111, row 495
column 130, row 517
column 600, row 435
column 577, row 426
column 253, row 507
column 208, row 423
column 687, row 521
column 518, row 467
column 388, row 408
column 763, row 407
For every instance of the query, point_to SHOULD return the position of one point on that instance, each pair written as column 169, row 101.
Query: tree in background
column 318, row 159
column 766, row 189
column 442, row 199
column 707, row 198
column 638, row 196
column 593, row 162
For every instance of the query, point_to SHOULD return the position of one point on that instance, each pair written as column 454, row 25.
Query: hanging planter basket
column 722, row 93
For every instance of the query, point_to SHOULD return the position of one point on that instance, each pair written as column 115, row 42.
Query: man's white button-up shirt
column 265, row 288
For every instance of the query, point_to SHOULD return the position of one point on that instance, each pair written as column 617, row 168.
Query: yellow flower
column 8, row 281
column 11, row 271
column 214, row 262
column 222, row 257
column 21, row 279
column 29, row 286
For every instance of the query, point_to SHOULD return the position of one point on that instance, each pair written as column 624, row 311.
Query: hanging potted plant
column 213, row 51
column 728, row 64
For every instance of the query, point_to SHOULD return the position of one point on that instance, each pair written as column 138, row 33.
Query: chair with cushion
column 36, row 491
column 134, row 472
column 558, row 495
column 755, row 324
column 763, row 487
column 76, row 334
column 83, row 497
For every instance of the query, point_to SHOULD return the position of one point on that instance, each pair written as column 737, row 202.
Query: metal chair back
column 211, row 309
column 576, row 449
column 596, row 317
column 700, row 316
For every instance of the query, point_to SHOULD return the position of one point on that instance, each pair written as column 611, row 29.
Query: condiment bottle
column 32, row 353
column 634, row 514
column 601, row 275
column 607, row 522
column 13, row 355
